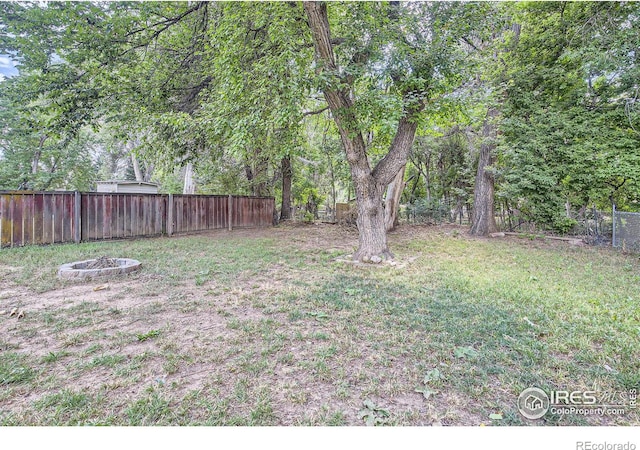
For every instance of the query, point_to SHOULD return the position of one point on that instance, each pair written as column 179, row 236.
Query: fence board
column 37, row 221
column 67, row 217
column 47, row 223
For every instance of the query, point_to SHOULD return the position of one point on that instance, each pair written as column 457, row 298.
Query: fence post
column 170, row 215
column 77, row 218
column 613, row 239
column 230, row 212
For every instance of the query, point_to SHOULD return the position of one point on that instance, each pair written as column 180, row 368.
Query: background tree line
column 453, row 109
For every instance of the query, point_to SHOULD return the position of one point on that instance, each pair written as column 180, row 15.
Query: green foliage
column 373, row 415
column 564, row 224
column 566, row 137
column 429, row 211
column 465, row 352
column 307, row 196
column 14, row 369
column 432, row 376
column 148, row 335
column 35, row 157
column 442, row 172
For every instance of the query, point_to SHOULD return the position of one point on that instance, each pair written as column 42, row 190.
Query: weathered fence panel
column 51, row 217
column 251, row 211
column 36, row 218
column 116, row 216
column 191, row 213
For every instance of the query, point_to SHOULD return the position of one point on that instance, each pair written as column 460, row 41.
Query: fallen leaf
column 20, row 314
column 497, row 416
column 369, row 404
column 432, row 375
column 101, row 287
column 425, row 391
column 13, row 312
column 3, row 312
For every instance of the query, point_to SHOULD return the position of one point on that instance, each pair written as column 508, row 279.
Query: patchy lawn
column 264, row 327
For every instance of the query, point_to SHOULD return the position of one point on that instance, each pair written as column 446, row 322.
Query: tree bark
column 368, row 184
column 372, row 234
column 35, row 163
column 392, row 200
column 287, row 173
column 257, row 174
column 483, row 220
column 136, row 168
column 148, row 172
column 189, row 183
column 427, row 176
column 333, row 187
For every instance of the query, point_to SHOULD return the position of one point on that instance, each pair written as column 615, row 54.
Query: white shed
column 127, row 187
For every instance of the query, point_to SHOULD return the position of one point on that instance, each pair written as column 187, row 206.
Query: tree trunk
column 148, row 172
column 285, row 212
column 261, row 186
column 392, row 200
column 189, row 182
column 483, row 220
column 35, row 163
column 136, row 168
column 333, row 187
column 372, row 234
column 257, row 174
column 368, row 184
column 427, row 176
column 416, row 182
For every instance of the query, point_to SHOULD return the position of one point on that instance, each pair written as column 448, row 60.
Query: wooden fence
column 52, row 217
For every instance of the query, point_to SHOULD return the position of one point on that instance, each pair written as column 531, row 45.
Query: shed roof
column 146, row 183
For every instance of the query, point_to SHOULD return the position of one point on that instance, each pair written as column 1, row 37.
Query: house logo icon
column 533, row 403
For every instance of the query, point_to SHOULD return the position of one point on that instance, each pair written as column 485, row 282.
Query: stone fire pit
column 98, row 268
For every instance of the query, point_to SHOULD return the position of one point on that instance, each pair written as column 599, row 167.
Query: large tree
column 392, row 58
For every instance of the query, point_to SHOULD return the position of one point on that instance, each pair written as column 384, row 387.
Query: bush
column 564, row 224
column 428, row 211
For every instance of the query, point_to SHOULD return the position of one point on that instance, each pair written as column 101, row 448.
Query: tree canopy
column 326, row 102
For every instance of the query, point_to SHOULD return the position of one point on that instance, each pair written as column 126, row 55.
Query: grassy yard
column 264, row 327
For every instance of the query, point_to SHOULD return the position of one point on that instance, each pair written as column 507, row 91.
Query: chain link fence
column 434, row 212
column 594, row 227
column 626, row 231
column 620, row 229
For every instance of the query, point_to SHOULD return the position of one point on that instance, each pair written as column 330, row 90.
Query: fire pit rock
column 98, row 268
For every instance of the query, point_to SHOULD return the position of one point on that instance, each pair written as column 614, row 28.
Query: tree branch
column 167, row 22
column 313, row 113
column 338, row 100
column 396, row 158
